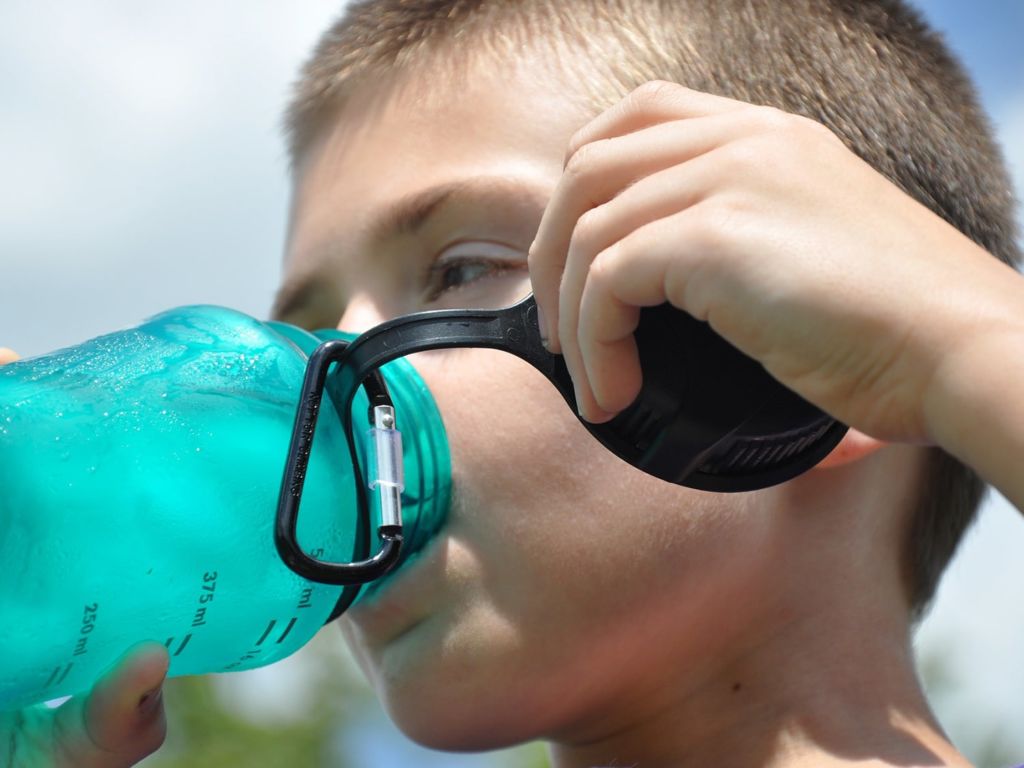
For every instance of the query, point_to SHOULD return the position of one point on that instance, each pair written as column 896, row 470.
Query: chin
column 457, row 725
column 446, row 693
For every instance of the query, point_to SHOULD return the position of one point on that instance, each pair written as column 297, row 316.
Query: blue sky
column 987, row 35
column 143, row 169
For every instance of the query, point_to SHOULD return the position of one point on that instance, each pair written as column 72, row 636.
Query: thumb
column 7, row 355
column 122, row 719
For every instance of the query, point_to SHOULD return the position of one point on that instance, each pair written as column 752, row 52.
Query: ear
column 853, row 447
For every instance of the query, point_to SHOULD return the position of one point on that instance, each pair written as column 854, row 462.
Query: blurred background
column 142, row 168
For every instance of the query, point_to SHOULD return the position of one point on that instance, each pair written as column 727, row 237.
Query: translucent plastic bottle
column 139, row 475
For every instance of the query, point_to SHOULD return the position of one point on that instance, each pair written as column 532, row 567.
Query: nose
column 361, row 313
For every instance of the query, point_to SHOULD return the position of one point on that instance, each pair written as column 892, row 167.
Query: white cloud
column 107, row 104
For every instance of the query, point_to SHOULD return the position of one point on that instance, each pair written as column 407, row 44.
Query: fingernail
column 149, row 701
column 579, row 406
column 542, row 326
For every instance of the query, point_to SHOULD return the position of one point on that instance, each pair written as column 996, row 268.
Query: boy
column 460, row 153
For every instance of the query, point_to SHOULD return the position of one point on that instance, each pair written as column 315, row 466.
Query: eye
column 471, row 264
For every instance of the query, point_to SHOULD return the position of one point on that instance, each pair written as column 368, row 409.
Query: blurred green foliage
column 204, row 734
column 985, row 747
column 205, row 729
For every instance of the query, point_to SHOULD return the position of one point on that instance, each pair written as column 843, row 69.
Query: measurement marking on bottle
column 89, row 613
column 305, row 598
column 249, row 656
column 56, row 678
column 206, row 595
column 266, row 632
column 184, row 642
column 287, row 630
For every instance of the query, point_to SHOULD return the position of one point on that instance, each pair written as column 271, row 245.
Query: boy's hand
column 762, row 223
column 119, row 723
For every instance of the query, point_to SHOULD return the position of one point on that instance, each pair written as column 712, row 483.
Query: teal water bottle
column 139, row 476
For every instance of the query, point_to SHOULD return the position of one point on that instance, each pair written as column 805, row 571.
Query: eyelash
column 490, row 268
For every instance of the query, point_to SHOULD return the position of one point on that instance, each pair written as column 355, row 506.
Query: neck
column 821, row 691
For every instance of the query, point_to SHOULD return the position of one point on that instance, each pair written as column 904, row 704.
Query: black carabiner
column 297, row 464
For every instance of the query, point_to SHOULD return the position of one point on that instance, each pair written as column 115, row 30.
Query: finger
column 658, row 196
column 586, row 403
column 8, row 355
column 655, row 102
column 645, row 269
column 600, row 173
column 662, row 196
column 609, row 352
column 623, row 279
column 122, row 719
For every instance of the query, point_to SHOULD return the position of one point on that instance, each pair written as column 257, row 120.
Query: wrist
column 971, row 406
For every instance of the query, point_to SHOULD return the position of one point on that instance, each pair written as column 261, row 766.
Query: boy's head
column 426, row 136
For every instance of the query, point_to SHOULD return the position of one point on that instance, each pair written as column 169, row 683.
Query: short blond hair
column 870, row 70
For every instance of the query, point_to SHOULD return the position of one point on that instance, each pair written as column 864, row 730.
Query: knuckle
column 813, row 127
column 782, row 132
column 653, row 92
column 576, row 141
column 713, row 225
column 774, row 119
column 603, row 271
column 589, row 224
column 744, row 154
column 587, row 230
column 581, row 164
column 800, row 127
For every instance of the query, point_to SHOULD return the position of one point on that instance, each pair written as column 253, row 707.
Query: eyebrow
column 407, row 216
column 410, row 213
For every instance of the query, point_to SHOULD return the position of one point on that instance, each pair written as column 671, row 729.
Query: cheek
column 516, row 447
column 541, row 502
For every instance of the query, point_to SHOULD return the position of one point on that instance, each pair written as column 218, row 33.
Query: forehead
column 434, row 128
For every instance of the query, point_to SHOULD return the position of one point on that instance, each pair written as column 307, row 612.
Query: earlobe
column 854, row 446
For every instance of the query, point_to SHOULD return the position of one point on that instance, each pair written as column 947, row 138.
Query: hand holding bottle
column 117, row 724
